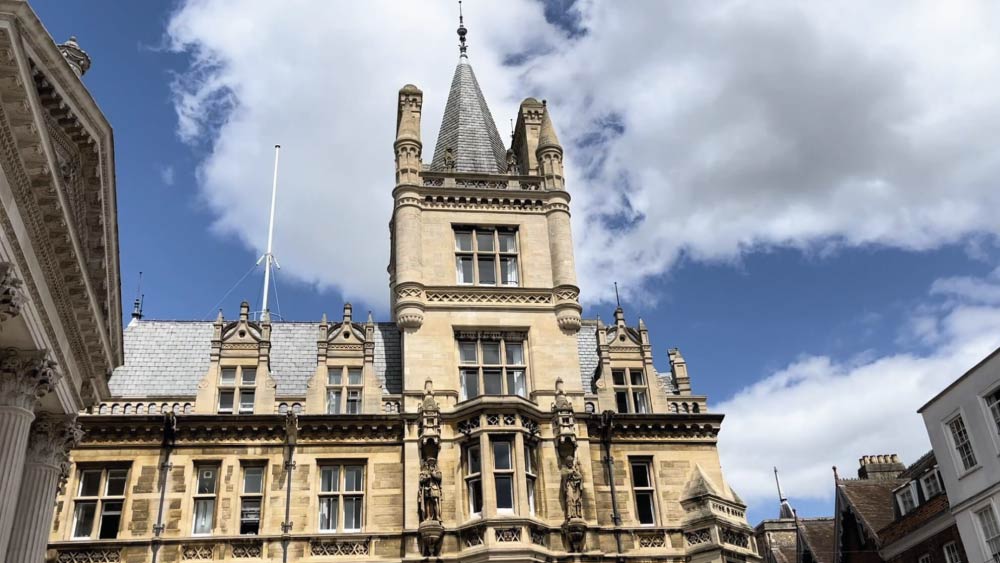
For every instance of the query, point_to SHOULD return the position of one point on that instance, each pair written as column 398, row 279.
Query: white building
column 963, row 422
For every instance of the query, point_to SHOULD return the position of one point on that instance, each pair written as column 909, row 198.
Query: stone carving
column 25, row 377
column 351, row 548
column 429, row 503
column 51, row 440
column 77, row 58
column 429, row 494
column 197, row 552
column 648, row 540
column 247, row 549
column 112, row 555
column 512, row 162
column 572, row 487
column 507, row 535
column 449, row 160
column 11, row 298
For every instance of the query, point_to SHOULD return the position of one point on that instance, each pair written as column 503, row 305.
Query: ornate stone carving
column 512, row 162
column 487, row 296
column 51, row 440
column 11, row 298
column 507, row 535
column 197, row 552
column 97, row 555
column 77, row 58
column 572, row 487
column 349, row 548
column 25, row 377
column 429, row 503
column 429, row 492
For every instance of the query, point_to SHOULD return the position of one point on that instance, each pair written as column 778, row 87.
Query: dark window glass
column 505, row 492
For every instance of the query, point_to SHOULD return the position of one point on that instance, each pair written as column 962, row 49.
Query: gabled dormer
column 627, row 381
column 345, row 381
column 239, row 375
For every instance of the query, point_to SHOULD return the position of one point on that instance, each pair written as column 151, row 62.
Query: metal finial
column 781, row 495
column 461, row 30
column 617, row 299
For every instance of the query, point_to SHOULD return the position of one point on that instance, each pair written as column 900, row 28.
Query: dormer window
column 486, row 256
column 631, row 394
column 931, row 484
column 906, row 498
column 237, row 386
column 344, row 390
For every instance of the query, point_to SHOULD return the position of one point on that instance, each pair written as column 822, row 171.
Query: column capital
column 11, row 297
column 50, row 442
column 25, row 377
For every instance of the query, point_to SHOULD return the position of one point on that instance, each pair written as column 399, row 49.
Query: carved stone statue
column 572, row 487
column 511, row 162
column 429, row 502
column 449, row 159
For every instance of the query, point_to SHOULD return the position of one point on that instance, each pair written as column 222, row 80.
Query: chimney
column 880, row 467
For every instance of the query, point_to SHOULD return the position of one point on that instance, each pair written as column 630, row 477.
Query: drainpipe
column 291, row 437
column 169, row 437
column 607, row 432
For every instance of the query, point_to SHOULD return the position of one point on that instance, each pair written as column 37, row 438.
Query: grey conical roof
column 468, row 129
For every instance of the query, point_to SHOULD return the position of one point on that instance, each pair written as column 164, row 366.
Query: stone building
column 60, row 312
column 889, row 514
column 486, row 420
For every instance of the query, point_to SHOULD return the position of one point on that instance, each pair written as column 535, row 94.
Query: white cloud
column 698, row 129
column 819, row 411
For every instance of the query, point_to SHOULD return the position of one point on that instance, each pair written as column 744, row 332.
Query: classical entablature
column 59, row 219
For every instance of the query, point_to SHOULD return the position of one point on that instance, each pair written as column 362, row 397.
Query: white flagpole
column 268, row 257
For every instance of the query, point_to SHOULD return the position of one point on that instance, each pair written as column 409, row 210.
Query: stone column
column 25, row 377
column 46, row 462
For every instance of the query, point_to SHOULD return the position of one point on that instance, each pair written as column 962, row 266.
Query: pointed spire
column 461, row 32
column 468, row 140
column 785, row 510
column 547, row 135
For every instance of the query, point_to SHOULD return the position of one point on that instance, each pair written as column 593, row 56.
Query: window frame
column 630, row 389
column 508, row 473
column 496, row 254
column 904, row 493
column 936, row 475
column 956, row 453
column 505, row 369
column 473, row 479
column 649, row 489
column 99, row 501
column 345, row 388
column 981, row 531
column 199, row 497
column 947, row 556
column 924, row 558
column 250, row 496
column 991, row 411
column 238, row 387
column 531, row 474
column 340, row 494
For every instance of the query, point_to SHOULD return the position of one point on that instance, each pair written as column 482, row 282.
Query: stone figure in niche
column 511, row 161
column 572, row 487
column 429, row 501
column 449, row 159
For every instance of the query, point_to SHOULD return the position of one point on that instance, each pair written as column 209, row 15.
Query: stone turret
column 549, row 153
column 408, row 146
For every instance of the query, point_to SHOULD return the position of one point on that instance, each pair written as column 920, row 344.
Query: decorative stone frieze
column 25, row 377
column 11, row 297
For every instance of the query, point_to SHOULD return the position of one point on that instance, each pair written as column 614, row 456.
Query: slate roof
column 169, row 358
column 871, row 500
column 817, row 534
column 468, row 129
column 586, row 345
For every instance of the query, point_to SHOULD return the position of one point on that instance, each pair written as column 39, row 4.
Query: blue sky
column 779, row 242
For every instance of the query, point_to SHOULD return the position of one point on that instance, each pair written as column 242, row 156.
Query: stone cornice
column 75, row 245
column 641, row 427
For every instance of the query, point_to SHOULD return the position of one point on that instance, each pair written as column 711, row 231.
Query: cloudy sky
column 800, row 196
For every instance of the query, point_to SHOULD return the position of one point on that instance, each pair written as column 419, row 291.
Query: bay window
column 503, row 473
